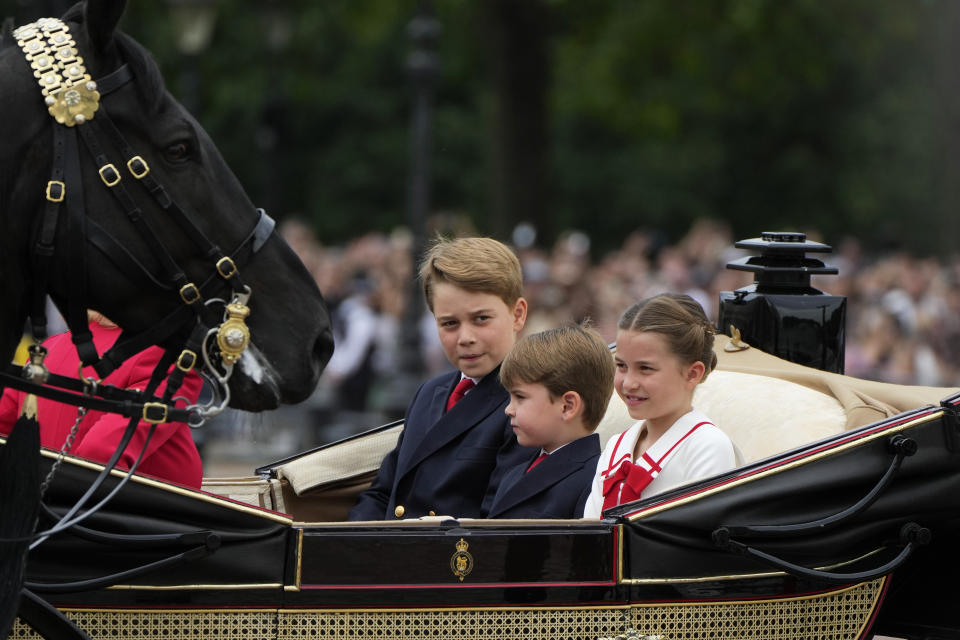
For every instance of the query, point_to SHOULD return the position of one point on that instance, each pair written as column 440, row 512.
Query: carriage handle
column 47, row 620
column 213, row 542
column 899, row 445
column 912, row 536
column 141, row 541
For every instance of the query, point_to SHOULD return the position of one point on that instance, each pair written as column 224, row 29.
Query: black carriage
column 840, row 525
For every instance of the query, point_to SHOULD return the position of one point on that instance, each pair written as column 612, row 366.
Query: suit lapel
column 552, row 470
column 416, row 428
column 479, row 403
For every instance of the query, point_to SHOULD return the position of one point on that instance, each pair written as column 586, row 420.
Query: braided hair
column 681, row 321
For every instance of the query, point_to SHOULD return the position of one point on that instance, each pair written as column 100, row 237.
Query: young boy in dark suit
column 455, row 434
column 560, row 382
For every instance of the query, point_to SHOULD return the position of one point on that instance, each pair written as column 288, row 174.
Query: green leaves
column 768, row 114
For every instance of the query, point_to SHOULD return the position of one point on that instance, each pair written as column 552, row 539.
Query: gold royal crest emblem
column 461, row 562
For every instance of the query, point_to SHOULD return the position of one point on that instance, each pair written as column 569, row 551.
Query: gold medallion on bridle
column 75, row 105
column 233, row 335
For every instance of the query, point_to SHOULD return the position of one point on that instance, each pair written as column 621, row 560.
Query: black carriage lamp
column 780, row 313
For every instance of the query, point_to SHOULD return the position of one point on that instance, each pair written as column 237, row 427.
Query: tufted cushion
column 762, row 415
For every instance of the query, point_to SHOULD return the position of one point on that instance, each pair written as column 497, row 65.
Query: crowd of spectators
column 903, row 322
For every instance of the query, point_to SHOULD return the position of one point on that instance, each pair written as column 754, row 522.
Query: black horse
column 114, row 263
column 291, row 339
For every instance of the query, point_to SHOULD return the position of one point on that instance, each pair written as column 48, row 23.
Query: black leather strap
column 129, row 403
column 66, row 169
column 134, row 214
column 129, row 343
column 77, row 273
column 44, row 246
column 167, row 203
column 142, row 268
column 114, row 80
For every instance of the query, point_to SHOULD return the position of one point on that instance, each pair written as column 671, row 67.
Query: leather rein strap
column 74, row 100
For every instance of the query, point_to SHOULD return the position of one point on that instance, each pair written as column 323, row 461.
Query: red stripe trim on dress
column 654, row 465
column 677, row 443
column 616, row 448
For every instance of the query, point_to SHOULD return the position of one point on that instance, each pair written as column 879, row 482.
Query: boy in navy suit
column 560, row 382
column 456, row 436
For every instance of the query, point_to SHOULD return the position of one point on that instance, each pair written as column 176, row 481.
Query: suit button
column 432, row 512
column 398, row 511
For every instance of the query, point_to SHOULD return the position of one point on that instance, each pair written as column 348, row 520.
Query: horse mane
column 149, row 80
column 6, row 33
column 6, row 40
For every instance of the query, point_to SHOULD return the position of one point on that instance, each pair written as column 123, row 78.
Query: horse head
column 126, row 277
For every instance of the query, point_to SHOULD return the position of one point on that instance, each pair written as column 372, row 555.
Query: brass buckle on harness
column 109, row 174
column 189, row 293
column 87, row 379
column 149, row 415
column 226, row 267
column 56, row 190
column 138, row 167
column 187, row 360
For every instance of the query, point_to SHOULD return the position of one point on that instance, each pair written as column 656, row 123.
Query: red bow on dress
column 633, row 479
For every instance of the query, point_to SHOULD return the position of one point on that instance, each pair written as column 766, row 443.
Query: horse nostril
column 323, row 348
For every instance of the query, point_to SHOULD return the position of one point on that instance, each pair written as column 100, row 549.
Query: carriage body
column 271, row 555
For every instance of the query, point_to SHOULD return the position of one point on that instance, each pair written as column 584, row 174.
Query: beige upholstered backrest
column 763, row 416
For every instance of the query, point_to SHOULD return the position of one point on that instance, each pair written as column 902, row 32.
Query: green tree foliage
column 790, row 114
column 769, row 114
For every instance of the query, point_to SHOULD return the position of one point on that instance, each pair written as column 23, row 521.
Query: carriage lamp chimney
column 780, row 313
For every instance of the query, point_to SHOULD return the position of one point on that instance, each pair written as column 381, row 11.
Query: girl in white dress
column 664, row 350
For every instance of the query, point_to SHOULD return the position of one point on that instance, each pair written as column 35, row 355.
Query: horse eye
column 178, row 152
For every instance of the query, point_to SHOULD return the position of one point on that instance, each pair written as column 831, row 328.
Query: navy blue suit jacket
column 447, row 462
column 557, row 487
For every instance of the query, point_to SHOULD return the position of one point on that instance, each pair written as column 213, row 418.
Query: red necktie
column 461, row 389
column 539, row 459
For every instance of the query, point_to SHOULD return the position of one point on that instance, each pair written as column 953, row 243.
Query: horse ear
column 101, row 18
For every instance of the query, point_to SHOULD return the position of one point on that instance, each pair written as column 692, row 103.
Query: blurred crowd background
column 620, row 147
column 903, row 313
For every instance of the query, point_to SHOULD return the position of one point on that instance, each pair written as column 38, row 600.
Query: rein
column 74, row 101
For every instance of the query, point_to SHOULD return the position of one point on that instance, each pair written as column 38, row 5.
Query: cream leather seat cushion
column 763, row 416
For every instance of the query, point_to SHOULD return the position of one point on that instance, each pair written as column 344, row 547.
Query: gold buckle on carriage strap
column 138, row 167
column 189, row 293
column 226, row 267
column 109, row 174
column 154, row 412
column 56, row 190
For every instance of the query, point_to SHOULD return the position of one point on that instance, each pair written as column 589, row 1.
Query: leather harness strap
column 76, row 103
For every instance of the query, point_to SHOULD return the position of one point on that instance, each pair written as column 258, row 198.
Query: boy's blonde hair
column 681, row 321
column 483, row 265
column 571, row 358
